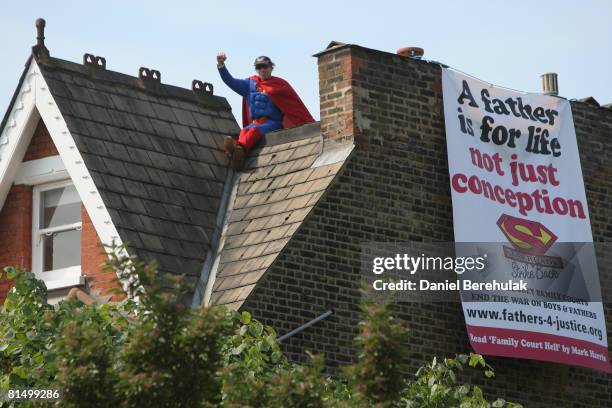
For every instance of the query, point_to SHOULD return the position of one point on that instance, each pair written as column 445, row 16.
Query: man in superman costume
column 269, row 103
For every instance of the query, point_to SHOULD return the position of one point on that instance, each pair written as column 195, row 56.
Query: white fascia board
column 33, row 102
column 41, row 171
column 73, row 162
column 16, row 135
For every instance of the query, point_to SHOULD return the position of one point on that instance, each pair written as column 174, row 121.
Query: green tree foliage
column 157, row 352
column 378, row 377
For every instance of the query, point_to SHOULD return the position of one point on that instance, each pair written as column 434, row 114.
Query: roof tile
column 137, row 155
column 184, row 117
column 226, row 126
column 99, row 114
column 135, row 188
column 137, row 172
column 254, row 250
column 183, row 133
column 162, row 128
column 276, row 246
column 142, row 124
column 133, row 204
column 163, row 112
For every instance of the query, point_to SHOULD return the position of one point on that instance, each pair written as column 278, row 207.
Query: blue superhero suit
column 259, row 103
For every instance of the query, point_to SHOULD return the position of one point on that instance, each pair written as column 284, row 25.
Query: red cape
column 285, row 98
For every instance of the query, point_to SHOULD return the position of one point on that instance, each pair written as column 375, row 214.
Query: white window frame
column 58, row 278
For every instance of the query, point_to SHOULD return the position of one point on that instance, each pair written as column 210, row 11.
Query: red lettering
column 455, row 182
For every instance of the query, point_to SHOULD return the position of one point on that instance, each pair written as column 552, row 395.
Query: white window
column 56, row 234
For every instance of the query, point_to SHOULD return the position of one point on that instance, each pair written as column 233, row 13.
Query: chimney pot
column 412, row 52
column 550, row 84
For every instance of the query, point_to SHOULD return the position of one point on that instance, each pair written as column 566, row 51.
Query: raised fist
column 221, row 57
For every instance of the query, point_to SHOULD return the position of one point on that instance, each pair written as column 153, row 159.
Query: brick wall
column 15, row 233
column 41, row 144
column 395, row 188
column 16, row 227
column 93, row 257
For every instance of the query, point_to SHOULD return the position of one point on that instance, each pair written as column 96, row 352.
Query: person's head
column 264, row 67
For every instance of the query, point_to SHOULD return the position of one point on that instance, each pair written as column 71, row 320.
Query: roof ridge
column 289, row 135
column 131, row 82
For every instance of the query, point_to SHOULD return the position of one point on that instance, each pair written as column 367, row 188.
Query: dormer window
column 56, row 246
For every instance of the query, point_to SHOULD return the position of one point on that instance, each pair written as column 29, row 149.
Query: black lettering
column 484, row 95
column 461, row 121
column 530, row 142
column 544, row 142
column 551, row 113
column 486, row 128
column 540, row 115
column 467, row 94
column 500, row 135
column 512, row 103
column 470, row 129
column 500, row 107
column 555, row 147
column 514, row 134
column 525, row 113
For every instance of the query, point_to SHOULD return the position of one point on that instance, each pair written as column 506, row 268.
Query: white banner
column 518, row 196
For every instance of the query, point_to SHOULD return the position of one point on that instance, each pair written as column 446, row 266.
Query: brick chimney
column 373, row 96
column 335, row 91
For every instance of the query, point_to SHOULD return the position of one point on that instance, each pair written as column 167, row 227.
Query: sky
column 504, row 43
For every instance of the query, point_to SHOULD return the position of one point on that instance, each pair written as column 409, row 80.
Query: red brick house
column 75, row 139
column 134, row 160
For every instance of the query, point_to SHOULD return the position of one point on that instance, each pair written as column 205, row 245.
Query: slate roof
column 154, row 152
column 281, row 183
